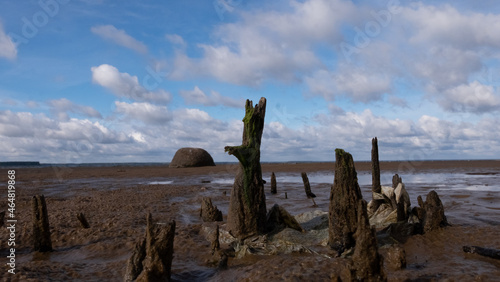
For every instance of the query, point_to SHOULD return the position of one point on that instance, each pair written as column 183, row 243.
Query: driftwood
column 247, row 206
column 491, row 253
column 41, row 227
column 83, row 221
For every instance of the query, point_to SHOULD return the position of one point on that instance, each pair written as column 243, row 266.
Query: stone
column 278, row 218
column 434, row 213
column 368, row 264
column 41, row 227
column 273, row 184
column 191, row 157
column 344, row 196
column 247, row 205
column 152, row 257
column 209, row 212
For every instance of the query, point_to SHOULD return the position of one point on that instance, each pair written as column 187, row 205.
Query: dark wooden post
column 344, row 197
column 375, row 167
column 83, row 220
column 41, row 227
column 247, row 206
column 273, row 184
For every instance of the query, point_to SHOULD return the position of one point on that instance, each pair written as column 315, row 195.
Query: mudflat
column 116, row 199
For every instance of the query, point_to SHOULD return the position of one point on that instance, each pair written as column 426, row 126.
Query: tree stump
column 41, row 227
column 247, row 206
column 83, row 220
column 344, row 197
column 152, row 257
column 434, row 217
column 209, row 212
column 368, row 264
column 273, row 184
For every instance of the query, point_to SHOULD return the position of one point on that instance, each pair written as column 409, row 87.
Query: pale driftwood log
column 41, row 227
column 247, row 206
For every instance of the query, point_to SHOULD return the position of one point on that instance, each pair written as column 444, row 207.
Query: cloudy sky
column 133, row 81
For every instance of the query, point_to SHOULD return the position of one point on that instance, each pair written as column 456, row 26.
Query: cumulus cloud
column 7, row 47
column 62, row 106
column 198, row 97
column 357, row 84
column 145, row 112
column 126, row 86
column 269, row 45
column 473, row 97
column 120, row 37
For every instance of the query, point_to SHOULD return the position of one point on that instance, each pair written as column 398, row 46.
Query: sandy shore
column 116, row 200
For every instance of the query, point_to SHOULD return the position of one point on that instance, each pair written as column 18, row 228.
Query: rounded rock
column 191, row 157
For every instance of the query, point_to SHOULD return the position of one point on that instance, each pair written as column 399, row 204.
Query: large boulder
column 191, row 157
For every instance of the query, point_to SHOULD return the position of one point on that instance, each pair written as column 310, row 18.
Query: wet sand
column 116, row 200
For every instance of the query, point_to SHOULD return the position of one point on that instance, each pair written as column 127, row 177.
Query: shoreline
column 147, row 171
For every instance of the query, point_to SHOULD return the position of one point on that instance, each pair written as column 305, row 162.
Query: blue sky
column 129, row 81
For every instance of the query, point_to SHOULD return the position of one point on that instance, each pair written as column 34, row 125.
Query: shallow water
column 116, row 209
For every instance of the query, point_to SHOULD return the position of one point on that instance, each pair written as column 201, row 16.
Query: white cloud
column 145, row 112
column 197, row 96
column 62, row 106
column 176, row 40
column 120, row 37
column 357, row 84
column 7, row 47
column 473, row 97
column 446, row 25
column 125, row 85
column 269, row 45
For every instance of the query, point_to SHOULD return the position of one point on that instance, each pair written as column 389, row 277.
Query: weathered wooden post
column 152, row 257
column 344, row 197
column 273, row 184
column 376, row 187
column 247, row 206
column 307, row 187
column 209, row 212
column 41, row 227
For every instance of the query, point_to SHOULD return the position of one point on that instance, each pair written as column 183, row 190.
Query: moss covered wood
column 247, row 208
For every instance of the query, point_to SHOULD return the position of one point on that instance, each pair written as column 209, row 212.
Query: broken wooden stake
column 307, row 187
column 41, row 227
column 273, row 184
column 83, row 221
